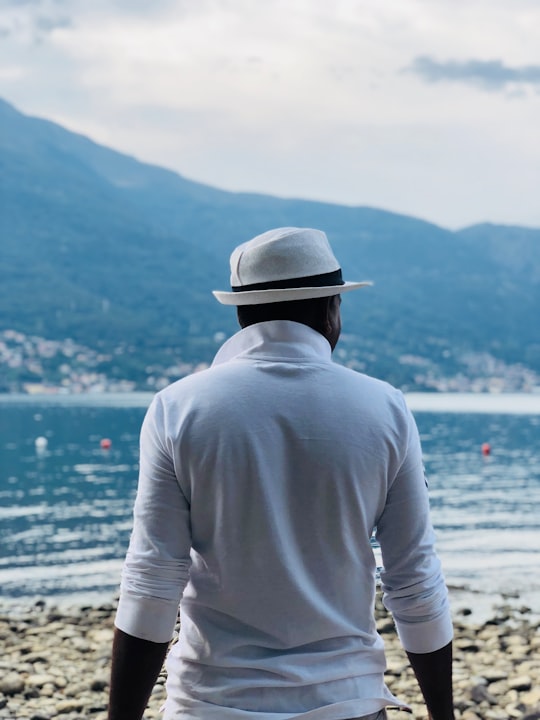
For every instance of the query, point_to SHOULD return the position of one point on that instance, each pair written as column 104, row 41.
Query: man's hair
column 312, row 312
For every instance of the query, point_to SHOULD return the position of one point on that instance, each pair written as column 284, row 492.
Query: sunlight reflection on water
column 66, row 512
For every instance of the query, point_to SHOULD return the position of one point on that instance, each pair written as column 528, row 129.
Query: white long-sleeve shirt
column 261, row 480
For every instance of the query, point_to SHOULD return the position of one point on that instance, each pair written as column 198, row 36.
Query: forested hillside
column 120, row 257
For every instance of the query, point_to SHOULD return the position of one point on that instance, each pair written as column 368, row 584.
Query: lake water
column 65, row 509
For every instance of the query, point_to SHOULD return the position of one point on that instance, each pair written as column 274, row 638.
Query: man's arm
column 154, row 575
column 413, row 585
column 136, row 665
column 433, row 671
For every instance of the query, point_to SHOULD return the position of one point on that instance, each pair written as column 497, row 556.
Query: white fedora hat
column 284, row 264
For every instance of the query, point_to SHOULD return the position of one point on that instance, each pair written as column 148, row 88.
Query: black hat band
column 324, row 280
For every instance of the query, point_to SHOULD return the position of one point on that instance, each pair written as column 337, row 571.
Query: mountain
column 121, row 257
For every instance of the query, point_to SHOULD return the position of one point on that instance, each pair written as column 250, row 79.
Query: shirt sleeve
column 414, row 589
column 156, row 567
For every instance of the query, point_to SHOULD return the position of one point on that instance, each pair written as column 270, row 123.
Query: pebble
column 39, row 680
column 520, row 683
column 12, row 684
column 54, row 665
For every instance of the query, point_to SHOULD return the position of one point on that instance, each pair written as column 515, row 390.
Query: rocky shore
column 55, row 664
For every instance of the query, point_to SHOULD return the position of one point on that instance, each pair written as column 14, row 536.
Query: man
column 261, row 481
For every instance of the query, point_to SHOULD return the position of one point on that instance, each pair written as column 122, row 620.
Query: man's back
column 285, row 460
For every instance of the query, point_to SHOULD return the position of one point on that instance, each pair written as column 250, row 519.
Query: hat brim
column 260, row 297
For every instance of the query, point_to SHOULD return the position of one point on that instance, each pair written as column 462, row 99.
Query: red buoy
column 105, row 443
column 486, row 449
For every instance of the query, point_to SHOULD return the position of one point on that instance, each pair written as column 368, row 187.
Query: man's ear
column 333, row 320
column 328, row 315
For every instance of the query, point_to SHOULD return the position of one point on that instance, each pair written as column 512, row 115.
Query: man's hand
column 136, row 665
column 434, row 674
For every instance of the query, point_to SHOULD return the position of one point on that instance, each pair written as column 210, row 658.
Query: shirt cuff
column 146, row 618
column 425, row 637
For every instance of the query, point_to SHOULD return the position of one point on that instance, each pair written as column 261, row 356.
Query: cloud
column 488, row 74
column 15, row 3
column 48, row 24
column 31, row 21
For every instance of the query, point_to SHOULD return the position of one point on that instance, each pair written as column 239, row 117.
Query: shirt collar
column 283, row 340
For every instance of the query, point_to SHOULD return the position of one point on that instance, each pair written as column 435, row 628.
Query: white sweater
column 261, row 481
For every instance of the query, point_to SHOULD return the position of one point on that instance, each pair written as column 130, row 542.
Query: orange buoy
column 486, row 449
column 105, row 443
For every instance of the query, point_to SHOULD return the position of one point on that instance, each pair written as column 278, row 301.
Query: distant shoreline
column 495, row 403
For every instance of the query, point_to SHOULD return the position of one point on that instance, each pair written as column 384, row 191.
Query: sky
column 429, row 108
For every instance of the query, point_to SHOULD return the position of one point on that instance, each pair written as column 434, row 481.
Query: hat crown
column 282, row 254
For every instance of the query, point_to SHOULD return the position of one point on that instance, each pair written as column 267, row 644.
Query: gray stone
column 67, row 706
column 11, row 684
column 479, row 693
